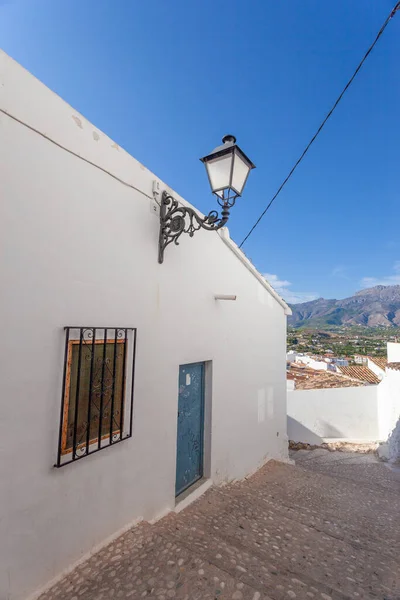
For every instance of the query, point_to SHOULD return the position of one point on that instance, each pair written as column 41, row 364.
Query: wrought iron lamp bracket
column 176, row 219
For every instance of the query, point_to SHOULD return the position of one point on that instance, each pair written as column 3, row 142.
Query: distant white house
column 341, row 362
column 360, row 359
column 292, row 355
column 312, row 363
column 123, row 381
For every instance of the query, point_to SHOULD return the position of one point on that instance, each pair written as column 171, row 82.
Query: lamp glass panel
column 219, row 172
column 241, row 169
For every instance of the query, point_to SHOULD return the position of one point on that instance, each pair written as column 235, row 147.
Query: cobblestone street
column 327, row 528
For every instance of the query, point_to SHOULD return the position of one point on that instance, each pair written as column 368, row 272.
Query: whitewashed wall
column 389, row 411
column 393, row 352
column 389, row 399
column 317, row 415
column 361, row 413
column 80, row 247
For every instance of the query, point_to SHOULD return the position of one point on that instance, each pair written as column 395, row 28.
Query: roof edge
column 224, row 235
column 394, row 366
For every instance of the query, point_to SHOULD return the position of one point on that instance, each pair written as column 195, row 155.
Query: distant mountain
column 377, row 306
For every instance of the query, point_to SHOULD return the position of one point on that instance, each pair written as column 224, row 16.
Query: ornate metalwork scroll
column 176, row 219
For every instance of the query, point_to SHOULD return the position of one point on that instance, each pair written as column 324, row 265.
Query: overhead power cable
column 348, row 84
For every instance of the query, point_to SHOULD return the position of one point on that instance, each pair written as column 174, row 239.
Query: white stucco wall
column 365, row 413
column 78, row 246
column 389, row 401
column 389, row 411
column 393, row 352
column 351, row 413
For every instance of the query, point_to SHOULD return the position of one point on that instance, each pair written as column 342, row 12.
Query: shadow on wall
column 330, row 431
column 297, row 432
column 394, row 443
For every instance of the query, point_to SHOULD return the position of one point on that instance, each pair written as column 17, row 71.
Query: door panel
column 189, row 454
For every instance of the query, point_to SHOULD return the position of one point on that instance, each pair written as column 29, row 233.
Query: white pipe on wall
column 224, row 297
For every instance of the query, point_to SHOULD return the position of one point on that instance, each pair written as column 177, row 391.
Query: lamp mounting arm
column 176, row 219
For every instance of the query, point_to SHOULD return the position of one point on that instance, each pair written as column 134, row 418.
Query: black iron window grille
column 97, row 394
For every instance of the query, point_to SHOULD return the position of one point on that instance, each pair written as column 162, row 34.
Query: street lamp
column 227, row 168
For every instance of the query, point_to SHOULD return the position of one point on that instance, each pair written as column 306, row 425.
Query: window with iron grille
column 97, row 395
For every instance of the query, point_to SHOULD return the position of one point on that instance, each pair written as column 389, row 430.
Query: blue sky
column 167, row 79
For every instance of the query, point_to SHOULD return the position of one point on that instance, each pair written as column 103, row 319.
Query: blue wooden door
column 189, row 453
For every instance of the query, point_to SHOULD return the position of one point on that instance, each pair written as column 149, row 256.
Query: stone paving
column 325, row 529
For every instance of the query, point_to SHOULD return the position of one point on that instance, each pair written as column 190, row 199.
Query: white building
column 291, row 356
column 312, row 363
column 341, row 362
column 79, row 249
column 368, row 414
column 360, row 360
